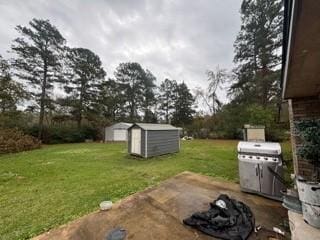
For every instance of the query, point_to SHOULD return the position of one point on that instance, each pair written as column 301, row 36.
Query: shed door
column 120, row 135
column 136, row 141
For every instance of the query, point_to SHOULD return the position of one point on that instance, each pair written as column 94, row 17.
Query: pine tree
column 167, row 98
column 11, row 92
column 257, row 52
column 183, row 113
column 131, row 77
column 149, row 99
column 38, row 60
column 85, row 77
column 111, row 100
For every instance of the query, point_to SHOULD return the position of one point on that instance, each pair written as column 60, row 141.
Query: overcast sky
column 176, row 39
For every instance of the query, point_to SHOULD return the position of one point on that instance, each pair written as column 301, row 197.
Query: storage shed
column 117, row 132
column 254, row 133
column 148, row 140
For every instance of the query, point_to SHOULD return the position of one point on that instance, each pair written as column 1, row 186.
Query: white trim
column 288, row 50
column 146, row 143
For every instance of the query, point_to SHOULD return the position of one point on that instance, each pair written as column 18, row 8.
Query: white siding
column 120, row 135
column 108, row 134
column 117, row 132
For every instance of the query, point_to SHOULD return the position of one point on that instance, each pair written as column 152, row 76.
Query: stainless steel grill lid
column 263, row 148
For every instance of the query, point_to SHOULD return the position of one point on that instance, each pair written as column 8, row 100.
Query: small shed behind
column 117, row 132
column 148, row 140
column 253, row 133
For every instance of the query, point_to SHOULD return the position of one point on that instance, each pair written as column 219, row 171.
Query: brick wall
column 299, row 109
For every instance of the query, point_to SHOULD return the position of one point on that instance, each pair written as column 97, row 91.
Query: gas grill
column 260, row 168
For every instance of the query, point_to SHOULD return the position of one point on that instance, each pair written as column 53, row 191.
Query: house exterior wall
column 300, row 109
column 162, row 142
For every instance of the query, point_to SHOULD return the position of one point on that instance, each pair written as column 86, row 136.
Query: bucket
column 105, row 205
column 309, row 192
column 311, row 214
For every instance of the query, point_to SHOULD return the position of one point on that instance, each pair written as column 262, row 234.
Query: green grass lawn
column 44, row 188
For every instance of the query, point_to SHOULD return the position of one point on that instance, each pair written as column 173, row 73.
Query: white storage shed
column 117, row 132
column 254, row 133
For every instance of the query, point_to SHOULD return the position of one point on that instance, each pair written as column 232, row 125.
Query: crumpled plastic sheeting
column 234, row 222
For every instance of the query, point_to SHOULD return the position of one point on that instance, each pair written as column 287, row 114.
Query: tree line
column 254, row 89
column 43, row 63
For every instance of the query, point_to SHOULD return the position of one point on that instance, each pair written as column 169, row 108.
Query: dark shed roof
column 154, row 126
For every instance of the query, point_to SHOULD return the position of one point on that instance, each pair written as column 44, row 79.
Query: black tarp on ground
column 233, row 221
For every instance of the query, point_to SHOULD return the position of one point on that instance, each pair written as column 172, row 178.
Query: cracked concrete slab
column 157, row 212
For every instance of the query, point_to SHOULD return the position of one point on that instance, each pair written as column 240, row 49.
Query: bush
column 13, row 140
column 228, row 122
column 64, row 133
column 17, row 119
column 309, row 131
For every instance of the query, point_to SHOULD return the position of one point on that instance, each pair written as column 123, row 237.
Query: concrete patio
column 157, row 212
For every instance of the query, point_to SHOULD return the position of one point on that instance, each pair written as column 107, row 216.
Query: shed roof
column 154, row 126
column 248, row 126
column 121, row 125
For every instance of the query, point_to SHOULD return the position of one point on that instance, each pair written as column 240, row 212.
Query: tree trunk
column 167, row 114
column 42, row 100
column 264, row 87
column 79, row 119
column 80, row 108
column 167, row 108
column 132, row 110
column 213, row 107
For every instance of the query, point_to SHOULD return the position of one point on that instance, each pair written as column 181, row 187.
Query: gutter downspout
column 288, row 48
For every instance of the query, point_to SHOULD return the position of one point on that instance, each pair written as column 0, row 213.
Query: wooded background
column 42, row 63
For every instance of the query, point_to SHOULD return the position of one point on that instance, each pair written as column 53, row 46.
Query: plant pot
column 309, row 192
column 311, row 214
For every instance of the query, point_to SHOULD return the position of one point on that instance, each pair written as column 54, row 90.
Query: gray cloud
column 179, row 39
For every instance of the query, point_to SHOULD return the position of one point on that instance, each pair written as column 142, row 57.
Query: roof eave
column 290, row 15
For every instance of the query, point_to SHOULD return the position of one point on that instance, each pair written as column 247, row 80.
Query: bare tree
column 216, row 79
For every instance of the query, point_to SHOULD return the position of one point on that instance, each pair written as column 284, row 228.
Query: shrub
column 13, row 140
column 309, row 131
column 64, row 133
